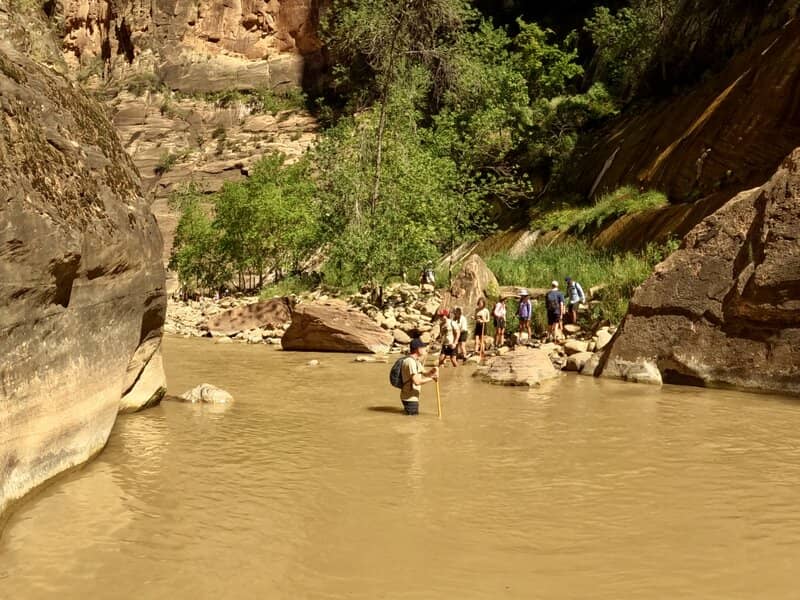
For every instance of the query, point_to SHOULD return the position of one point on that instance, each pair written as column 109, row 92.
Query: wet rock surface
column 82, row 297
column 724, row 310
column 207, row 394
column 522, row 367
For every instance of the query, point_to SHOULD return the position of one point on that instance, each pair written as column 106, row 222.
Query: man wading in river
column 414, row 377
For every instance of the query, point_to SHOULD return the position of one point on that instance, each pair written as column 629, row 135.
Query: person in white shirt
column 461, row 325
column 499, row 314
column 448, row 338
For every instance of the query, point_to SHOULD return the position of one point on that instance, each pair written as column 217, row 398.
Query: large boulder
column 724, row 310
column 334, row 326
column 522, row 367
column 268, row 314
column 474, row 281
column 82, row 298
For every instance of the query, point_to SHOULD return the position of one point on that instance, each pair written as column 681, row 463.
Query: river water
column 311, row 486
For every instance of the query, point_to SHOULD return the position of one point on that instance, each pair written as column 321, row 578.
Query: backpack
column 396, row 373
column 552, row 303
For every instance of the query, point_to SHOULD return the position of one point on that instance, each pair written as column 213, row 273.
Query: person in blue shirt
column 575, row 296
column 554, row 303
column 524, row 313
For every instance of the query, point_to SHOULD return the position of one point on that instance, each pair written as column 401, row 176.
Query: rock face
column 522, row 367
column 82, row 298
column 474, row 281
column 170, row 73
column 746, row 114
column 202, row 46
column 333, row 326
column 178, row 140
column 268, row 314
column 724, row 310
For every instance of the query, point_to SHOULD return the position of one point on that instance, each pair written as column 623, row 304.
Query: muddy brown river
column 311, row 486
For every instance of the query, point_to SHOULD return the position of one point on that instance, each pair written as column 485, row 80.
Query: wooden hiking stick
column 438, row 399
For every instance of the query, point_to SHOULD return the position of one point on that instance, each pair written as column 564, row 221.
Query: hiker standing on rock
column 481, row 320
column 524, row 313
column 499, row 314
column 461, row 324
column 427, row 277
column 575, row 296
column 414, row 377
column 448, row 332
column 554, row 302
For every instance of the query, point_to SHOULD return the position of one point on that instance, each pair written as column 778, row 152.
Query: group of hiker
column 409, row 374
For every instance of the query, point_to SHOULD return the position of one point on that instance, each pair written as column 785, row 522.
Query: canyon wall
column 203, row 46
column 727, row 134
column 170, row 71
column 724, row 310
column 82, row 299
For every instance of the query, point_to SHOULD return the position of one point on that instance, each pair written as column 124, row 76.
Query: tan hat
column 554, row 283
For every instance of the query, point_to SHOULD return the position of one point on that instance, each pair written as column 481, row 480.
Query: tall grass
column 578, row 219
column 618, row 273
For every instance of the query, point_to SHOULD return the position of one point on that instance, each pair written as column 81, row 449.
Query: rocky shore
column 407, row 310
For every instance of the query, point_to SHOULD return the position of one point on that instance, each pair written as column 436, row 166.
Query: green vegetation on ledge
column 618, row 273
column 580, row 219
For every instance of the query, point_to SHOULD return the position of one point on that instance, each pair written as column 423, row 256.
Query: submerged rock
column 522, row 367
column 208, row 394
column 576, row 362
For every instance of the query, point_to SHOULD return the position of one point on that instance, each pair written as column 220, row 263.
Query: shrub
column 169, row 159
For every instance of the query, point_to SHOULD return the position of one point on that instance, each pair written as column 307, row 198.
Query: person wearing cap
column 414, row 376
column 575, row 296
column 524, row 313
column 449, row 337
column 554, row 303
column 461, row 325
column 481, row 321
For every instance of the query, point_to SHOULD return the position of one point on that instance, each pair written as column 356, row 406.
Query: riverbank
column 407, row 311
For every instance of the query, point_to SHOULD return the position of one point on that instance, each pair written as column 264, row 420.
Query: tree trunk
column 376, row 186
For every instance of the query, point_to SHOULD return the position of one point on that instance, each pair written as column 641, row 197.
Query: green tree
column 267, row 222
column 422, row 193
column 393, row 37
column 195, row 251
column 627, row 43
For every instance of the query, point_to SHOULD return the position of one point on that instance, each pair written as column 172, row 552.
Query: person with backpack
column 409, row 375
column 575, row 297
column 554, row 303
column 524, row 313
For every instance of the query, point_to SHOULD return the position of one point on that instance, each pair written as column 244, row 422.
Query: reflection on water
column 312, row 486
